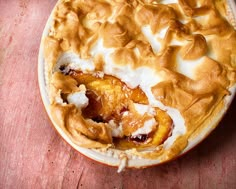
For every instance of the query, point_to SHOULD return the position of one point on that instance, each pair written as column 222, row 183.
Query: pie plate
column 114, row 157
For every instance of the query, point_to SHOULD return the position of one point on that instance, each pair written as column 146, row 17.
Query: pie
column 139, row 77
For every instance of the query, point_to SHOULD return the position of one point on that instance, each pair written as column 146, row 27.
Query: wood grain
column 32, row 155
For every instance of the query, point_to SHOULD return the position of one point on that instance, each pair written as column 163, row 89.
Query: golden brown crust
column 195, row 30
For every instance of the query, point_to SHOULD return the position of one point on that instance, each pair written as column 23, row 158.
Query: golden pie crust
column 194, row 30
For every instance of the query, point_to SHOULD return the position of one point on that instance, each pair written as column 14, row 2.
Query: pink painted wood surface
column 32, row 155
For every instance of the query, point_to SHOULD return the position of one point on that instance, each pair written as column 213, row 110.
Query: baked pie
column 141, row 78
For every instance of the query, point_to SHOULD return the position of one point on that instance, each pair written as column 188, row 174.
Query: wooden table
column 32, row 155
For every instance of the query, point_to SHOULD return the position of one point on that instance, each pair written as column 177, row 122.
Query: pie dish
column 137, row 83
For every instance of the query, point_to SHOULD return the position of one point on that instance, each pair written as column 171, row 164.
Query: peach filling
column 126, row 111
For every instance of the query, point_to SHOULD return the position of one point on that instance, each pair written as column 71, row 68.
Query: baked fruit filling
column 125, row 111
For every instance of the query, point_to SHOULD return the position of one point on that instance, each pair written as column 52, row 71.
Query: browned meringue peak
column 94, row 13
column 224, row 49
column 213, row 72
column 210, row 16
column 193, row 8
column 123, row 55
column 144, row 48
column 164, row 59
column 167, row 58
column 176, row 30
column 126, row 19
column 157, row 16
column 114, row 35
column 100, row 9
column 195, row 48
